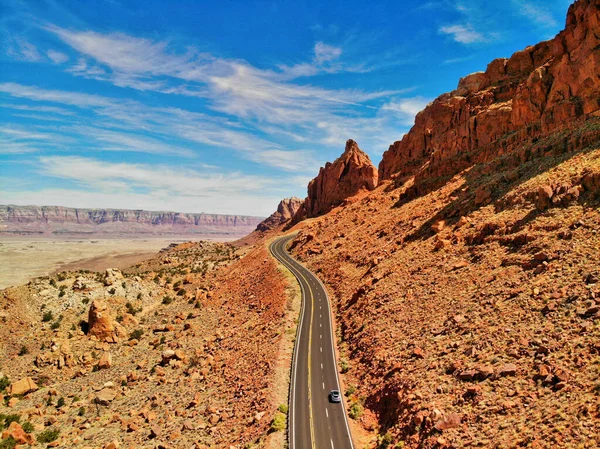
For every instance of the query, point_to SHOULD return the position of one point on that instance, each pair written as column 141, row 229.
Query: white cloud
column 124, row 185
column 538, row 14
column 57, row 57
column 406, row 108
column 464, row 34
column 326, row 53
column 22, row 50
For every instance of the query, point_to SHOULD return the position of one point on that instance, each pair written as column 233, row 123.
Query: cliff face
column 286, row 209
column 352, row 172
column 535, row 92
column 64, row 220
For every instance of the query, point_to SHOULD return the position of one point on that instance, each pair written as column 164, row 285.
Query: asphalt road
column 314, row 422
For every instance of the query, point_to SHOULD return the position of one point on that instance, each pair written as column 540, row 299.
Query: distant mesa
column 64, row 221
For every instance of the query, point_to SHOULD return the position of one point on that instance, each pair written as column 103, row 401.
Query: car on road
column 334, row 396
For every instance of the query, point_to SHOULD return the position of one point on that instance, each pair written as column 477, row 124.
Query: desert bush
column 136, row 334
column 355, row 411
column 48, row 316
column 23, row 350
column 278, row 422
column 48, row 435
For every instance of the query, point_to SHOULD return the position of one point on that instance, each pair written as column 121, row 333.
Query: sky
column 226, row 106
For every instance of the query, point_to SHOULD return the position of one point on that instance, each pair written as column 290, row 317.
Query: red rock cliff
column 352, row 172
column 535, row 92
column 286, row 209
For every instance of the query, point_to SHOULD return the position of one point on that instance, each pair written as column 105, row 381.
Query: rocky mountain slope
column 179, row 351
column 467, row 284
column 55, row 220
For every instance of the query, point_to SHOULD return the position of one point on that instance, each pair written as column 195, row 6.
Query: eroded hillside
column 179, row 351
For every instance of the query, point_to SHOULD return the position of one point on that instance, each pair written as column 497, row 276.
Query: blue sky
column 228, row 106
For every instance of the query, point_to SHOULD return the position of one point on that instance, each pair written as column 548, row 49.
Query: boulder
column 23, row 386
column 101, row 324
column 16, row 432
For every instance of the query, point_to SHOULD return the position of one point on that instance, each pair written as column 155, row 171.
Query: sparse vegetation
column 283, row 408
column 27, row 427
column 48, row 435
column 8, row 443
column 4, row 383
column 167, row 300
column 48, row 316
column 278, row 422
column 136, row 334
column 356, row 410
column 23, row 350
column 60, row 403
column 7, row 419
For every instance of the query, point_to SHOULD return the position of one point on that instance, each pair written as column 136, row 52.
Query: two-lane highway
column 314, row 422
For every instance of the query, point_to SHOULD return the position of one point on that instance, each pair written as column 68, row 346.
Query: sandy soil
column 23, row 259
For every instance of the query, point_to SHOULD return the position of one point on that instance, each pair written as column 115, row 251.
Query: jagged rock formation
column 102, row 325
column 286, row 209
column 58, row 220
column 352, row 172
column 535, row 92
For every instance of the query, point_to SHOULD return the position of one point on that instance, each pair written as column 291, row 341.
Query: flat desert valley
column 22, row 259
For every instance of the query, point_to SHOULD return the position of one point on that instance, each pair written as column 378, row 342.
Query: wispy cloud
column 232, row 87
column 22, row 50
column 57, row 57
column 407, row 108
column 464, row 34
column 537, row 13
column 97, row 183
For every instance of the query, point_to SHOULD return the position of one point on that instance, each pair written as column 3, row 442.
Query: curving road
column 314, row 422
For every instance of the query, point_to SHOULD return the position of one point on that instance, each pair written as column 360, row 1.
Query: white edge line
column 297, row 342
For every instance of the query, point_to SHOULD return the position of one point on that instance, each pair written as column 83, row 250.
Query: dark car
column 334, row 396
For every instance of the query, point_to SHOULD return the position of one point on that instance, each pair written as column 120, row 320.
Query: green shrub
column 8, row 443
column 53, row 283
column 283, row 408
column 167, row 300
column 48, row 435
column 344, row 365
column 10, row 418
column 81, row 411
column 27, row 427
column 124, row 284
column 48, row 316
column 136, row 334
column 62, row 276
column 278, row 422
column 85, row 300
column 350, row 390
column 355, row 411
column 23, row 350
column 4, row 383
column 60, row 403
column 61, row 293
column 181, row 292
column 112, row 291
column 385, row 441
column 55, row 325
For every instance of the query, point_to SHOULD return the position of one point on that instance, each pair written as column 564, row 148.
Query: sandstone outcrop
column 44, row 220
column 352, row 172
column 22, row 386
column 537, row 91
column 286, row 209
column 101, row 323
